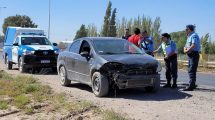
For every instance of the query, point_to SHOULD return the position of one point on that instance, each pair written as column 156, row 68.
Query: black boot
column 168, row 85
column 174, row 86
column 191, row 87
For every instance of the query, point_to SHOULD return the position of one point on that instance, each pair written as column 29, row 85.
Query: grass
column 3, row 105
column 111, row 115
column 24, row 90
column 20, row 101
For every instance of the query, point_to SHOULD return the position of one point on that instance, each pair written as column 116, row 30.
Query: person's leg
column 193, row 70
column 193, row 65
column 174, row 71
column 168, row 73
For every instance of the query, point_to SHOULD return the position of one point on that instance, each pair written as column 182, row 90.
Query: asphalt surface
column 203, row 78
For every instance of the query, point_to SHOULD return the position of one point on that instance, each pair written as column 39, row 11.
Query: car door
column 71, row 59
column 83, row 65
column 15, row 50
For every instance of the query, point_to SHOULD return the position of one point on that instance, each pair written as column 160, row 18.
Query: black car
column 105, row 63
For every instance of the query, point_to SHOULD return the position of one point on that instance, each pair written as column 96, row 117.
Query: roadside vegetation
column 25, row 95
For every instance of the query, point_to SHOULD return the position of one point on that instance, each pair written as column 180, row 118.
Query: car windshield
column 35, row 41
column 115, row 47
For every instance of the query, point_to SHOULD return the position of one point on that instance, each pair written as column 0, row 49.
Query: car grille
column 44, row 53
column 140, row 72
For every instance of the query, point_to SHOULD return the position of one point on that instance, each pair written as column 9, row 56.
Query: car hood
column 130, row 59
column 38, row 47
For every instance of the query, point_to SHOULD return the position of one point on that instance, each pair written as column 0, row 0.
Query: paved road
column 203, row 79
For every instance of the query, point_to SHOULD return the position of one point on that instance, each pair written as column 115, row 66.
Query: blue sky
column 68, row 15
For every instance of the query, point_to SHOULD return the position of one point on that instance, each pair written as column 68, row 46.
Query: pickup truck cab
column 29, row 48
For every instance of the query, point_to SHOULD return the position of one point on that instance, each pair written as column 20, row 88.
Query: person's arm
column 173, row 47
column 158, row 50
column 193, row 41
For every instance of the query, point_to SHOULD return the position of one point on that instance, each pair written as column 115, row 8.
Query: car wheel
column 100, row 85
column 21, row 66
column 63, row 76
column 8, row 63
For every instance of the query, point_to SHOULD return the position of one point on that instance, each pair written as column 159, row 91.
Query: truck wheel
column 100, row 85
column 8, row 63
column 63, row 76
column 21, row 66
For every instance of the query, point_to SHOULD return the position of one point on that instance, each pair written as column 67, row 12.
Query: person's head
column 190, row 29
column 137, row 31
column 127, row 31
column 165, row 37
column 144, row 34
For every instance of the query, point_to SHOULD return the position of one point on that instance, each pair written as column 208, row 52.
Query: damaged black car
column 107, row 63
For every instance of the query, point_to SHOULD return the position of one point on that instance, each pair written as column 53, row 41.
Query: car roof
column 100, row 38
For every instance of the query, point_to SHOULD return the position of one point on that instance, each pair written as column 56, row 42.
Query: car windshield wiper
column 128, row 52
column 108, row 53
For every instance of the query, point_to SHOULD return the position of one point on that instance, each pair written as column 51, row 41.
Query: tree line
column 116, row 28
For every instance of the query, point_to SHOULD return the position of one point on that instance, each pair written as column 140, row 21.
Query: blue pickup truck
column 29, row 48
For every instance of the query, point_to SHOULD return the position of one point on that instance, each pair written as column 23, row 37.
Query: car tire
column 100, row 85
column 63, row 77
column 21, row 65
column 8, row 63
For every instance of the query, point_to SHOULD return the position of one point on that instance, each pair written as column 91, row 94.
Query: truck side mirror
column 15, row 44
column 54, row 44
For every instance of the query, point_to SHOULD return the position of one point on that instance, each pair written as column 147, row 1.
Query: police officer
column 169, row 50
column 192, row 49
column 127, row 34
column 147, row 43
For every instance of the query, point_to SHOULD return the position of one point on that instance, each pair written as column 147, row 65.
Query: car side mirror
column 15, row 44
column 85, row 54
column 54, row 44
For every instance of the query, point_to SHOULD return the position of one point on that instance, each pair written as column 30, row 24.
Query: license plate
column 45, row 61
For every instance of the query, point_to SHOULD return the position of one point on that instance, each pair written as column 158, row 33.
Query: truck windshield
column 35, row 41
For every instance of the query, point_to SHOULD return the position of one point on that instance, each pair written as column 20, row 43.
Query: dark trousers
column 193, row 61
column 171, row 69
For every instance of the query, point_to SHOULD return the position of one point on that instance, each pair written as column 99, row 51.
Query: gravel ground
column 167, row 104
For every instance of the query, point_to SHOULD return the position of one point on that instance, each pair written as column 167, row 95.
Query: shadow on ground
column 164, row 94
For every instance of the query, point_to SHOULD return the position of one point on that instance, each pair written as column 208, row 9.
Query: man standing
column 135, row 38
column 169, row 50
column 127, row 34
column 147, row 43
column 192, row 49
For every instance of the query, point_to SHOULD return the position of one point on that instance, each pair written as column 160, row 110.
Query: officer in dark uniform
column 192, row 49
column 169, row 50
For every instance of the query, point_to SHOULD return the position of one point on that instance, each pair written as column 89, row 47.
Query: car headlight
column 57, row 51
column 159, row 68
column 25, row 52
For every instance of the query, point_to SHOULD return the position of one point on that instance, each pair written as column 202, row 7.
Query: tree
column 18, row 21
column 82, row 32
column 92, row 30
column 205, row 44
column 105, row 28
column 180, row 38
column 1, row 38
column 112, row 30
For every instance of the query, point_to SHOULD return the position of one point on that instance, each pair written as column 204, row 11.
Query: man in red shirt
column 135, row 38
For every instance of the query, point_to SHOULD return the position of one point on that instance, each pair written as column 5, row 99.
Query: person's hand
column 185, row 50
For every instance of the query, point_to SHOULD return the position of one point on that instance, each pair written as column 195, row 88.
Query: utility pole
column 0, row 15
column 49, row 19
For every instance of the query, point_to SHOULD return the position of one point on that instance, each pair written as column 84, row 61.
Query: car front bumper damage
column 134, row 81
